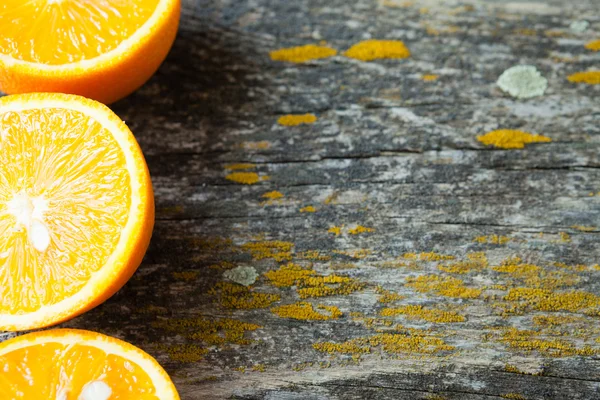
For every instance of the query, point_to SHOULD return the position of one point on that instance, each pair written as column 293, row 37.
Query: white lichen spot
column 95, row 390
column 523, row 81
column 579, row 26
column 243, row 275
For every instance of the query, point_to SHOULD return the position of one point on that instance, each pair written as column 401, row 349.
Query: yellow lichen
column 584, row 228
column 589, row 77
column 246, row 178
column 263, row 145
column 235, row 296
column 308, row 209
column 336, row 230
column 294, row 120
column 512, row 368
column 222, row 265
column 187, row 276
column 305, row 311
column 427, row 314
column 525, row 340
column 546, row 300
column 389, row 342
column 300, row 54
column 492, row 239
column 275, row 249
column 511, row 139
column 554, row 320
column 475, row 262
column 289, row 275
column 240, row 166
column 185, row 353
column 431, row 256
column 386, row 296
column 259, row 368
column 360, row 229
column 357, row 254
column 443, row 286
column 274, row 195
column 316, row 255
column 369, row 50
column 310, row 284
column 429, row 77
column 594, row 45
column 564, row 237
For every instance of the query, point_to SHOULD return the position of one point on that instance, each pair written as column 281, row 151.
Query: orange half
column 76, row 207
column 79, row 365
column 101, row 49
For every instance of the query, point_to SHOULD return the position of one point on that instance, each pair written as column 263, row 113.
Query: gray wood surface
column 390, row 152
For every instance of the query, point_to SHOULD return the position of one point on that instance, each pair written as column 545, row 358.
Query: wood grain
column 390, row 152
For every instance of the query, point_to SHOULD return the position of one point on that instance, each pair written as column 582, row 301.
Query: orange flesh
column 62, row 173
column 66, row 370
column 56, row 32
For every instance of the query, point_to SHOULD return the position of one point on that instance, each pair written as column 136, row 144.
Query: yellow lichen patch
column 369, row 50
column 356, row 254
column 308, row 209
column 512, row 368
column 222, row 265
column 315, row 255
column 492, row 239
column 213, row 244
column 330, row 285
column 259, row 367
column 427, row 314
column 511, row 139
column 578, row 267
column 185, row 353
column 429, row 77
column 475, row 262
column 589, row 77
column 295, row 120
column 263, row 145
column 534, row 276
column 235, row 296
column 386, row 296
column 212, row 332
column 305, row 311
column 546, row 300
column 336, row 230
column 389, row 342
column 594, row 45
column 443, row 286
column 187, row 276
column 360, row 229
column 564, row 237
column 300, row 54
column 274, row 195
column 431, row 256
column 289, row 275
column 584, row 228
column 513, row 396
column 275, row 249
column 240, row 166
column 525, row 32
column 332, row 198
column 526, row 340
column 246, row 178
column 555, row 320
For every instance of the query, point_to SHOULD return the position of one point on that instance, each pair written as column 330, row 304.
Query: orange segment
column 100, row 49
column 76, row 207
column 79, row 365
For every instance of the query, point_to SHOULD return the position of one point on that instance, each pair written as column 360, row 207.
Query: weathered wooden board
column 390, row 152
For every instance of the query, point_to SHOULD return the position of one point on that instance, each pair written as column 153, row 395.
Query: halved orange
column 76, row 207
column 69, row 364
column 101, row 49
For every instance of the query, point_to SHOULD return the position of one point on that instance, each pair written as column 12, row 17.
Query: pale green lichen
column 522, row 82
column 243, row 275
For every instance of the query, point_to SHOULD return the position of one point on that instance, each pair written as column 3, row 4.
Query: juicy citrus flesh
column 56, row 32
column 64, row 179
column 79, row 365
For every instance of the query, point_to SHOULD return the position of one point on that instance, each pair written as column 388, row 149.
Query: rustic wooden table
column 397, row 256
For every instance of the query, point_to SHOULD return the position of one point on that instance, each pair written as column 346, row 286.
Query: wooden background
column 389, row 152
